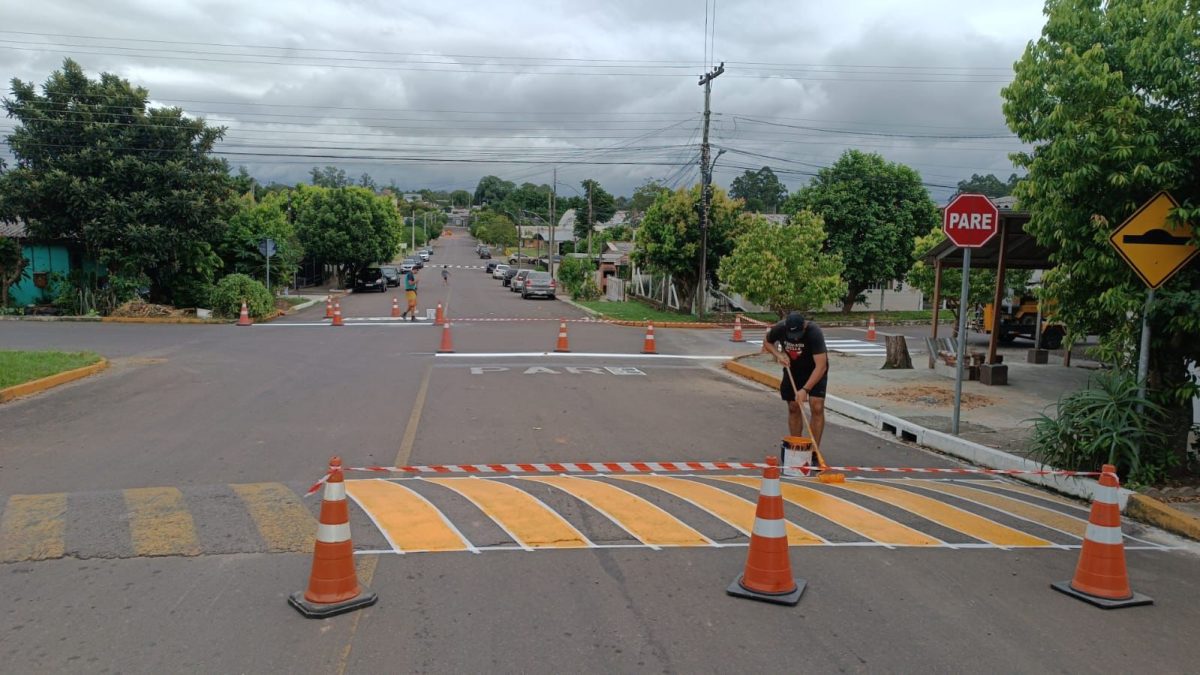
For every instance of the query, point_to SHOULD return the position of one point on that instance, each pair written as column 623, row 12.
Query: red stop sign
column 970, row 220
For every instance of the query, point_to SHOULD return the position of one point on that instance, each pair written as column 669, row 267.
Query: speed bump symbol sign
column 1155, row 247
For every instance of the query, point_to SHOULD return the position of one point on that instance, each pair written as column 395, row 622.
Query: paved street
column 152, row 518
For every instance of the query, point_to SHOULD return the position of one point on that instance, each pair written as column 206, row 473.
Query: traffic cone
column 333, row 585
column 329, row 307
column 337, row 314
column 447, row 347
column 648, row 346
column 871, row 328
column 440, row 316
column 737, row 330
column 244, row 318
column 1100, row 576
column 768, row 573
column 562, row 345
column 395, row 308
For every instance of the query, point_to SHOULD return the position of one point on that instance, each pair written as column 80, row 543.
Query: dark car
column 541, row 284
column 485, row 254
column 491, row 267
column 508, row 276
column 392, row 274
column 371, row 278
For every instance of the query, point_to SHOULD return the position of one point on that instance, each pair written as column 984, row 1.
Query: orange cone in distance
column 337, row 314
column 440, row 317
column 648, row 347
column 737, row 330
column 446, row 347
column 871, row 329
column 562, row 345
column 768, row 573
column 329, row 307
column 333, row 585
column 244, row 317
column 1100, row 576
column 395, row 308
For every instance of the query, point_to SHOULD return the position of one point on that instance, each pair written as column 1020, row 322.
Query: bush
column 1102, row 424
column 231, row 291
column 572, row 272
column 588, row 291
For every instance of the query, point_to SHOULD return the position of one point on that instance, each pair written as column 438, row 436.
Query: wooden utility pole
column 705, row 187
column 553, row 224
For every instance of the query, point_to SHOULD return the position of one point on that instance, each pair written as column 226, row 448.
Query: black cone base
column 789, row 599
column 1104, row 603
column 315, row 610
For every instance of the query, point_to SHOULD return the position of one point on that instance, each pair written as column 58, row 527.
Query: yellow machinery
column 1019, row 320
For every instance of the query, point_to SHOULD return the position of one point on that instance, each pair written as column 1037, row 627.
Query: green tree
column 253, row 222
column 873, row 210
column 668, row 240
column 12, row 267
column 988, row 185
column 329, row 177
column 602, row 208
column 784, row 266
column 366, row 181
column 460, row 198
column 348, row 227
column 137, row 187
column 494, row 228
column 922, row 276
column 643, row 197
column 761, row 190
column 492, row 190
column 572, row 272
column 1108, row 98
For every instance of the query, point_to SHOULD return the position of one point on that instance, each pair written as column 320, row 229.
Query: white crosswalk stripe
column 857, row 347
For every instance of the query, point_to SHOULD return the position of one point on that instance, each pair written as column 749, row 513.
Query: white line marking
column 586, row 355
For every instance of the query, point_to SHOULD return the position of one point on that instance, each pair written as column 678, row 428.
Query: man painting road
column 410, row 293
column 799, row 345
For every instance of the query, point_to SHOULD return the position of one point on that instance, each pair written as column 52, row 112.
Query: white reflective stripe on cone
column 770, row 487
column 772, row 529
column 1104, row 494
column 1103, row 535
column 335, row 492
column 333, row 534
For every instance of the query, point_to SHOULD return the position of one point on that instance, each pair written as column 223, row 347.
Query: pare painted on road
column 559, row 370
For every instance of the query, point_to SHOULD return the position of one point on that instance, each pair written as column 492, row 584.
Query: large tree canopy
column 137, row 187
column 348, row 226
column 492, row 190
column 873, row 210
column 1109, row 98
column 988, row 185
column 761, row 190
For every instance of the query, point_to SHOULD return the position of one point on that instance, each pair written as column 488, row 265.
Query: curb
column 975, row 453
column 49, row 382
column 158, row 319
column 1161, row 514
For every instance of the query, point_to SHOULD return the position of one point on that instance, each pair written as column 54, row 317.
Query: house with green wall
column 46, row 258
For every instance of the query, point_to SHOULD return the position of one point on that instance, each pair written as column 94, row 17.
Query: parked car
column 424, row 255
column 540, row 284
column 485, row 254
column 518, row 281
column 415, row 262
column 370, row 278
column 521, row 257
column 491, row 267
column 508, row 276
column 498, row 271
column 393, row 275
column 406, row 266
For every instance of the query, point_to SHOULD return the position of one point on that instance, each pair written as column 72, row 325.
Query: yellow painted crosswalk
column 407, row 519
column 33, row 527
column 530, row 522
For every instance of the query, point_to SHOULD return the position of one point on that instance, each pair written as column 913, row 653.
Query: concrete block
column 993, row 374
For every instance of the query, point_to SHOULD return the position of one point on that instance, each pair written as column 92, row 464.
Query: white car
column 424, row 255
column 498, row 273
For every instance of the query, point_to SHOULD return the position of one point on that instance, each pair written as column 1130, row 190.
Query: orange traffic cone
column 395, row 308
column 337, row 314
column 447, row 347
column 440, row 317
column 329, row 307
column 871, row 329
column 1100, row 576
column 648, row 346
column 737, row 330
column 768, row 574
column 562, row 345
column 244, row 318
column 333, row 585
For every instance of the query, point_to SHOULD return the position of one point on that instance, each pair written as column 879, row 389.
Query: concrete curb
column 975, row 453
column 159, row 319
column 49, row 382
column 1163, row 515
column 76, row 319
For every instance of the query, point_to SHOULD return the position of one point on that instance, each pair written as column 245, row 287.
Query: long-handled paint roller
column 822, row 477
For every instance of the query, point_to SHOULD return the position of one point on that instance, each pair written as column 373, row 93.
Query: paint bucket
column 796, row 452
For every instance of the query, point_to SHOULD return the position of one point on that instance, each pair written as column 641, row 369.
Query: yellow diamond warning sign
column 1152, row 245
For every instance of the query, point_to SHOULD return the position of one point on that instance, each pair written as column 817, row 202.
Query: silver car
column 518, row 282
column 498, row 273
column 540, row 284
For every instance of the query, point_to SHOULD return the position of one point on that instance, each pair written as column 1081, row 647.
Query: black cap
column 794, row 324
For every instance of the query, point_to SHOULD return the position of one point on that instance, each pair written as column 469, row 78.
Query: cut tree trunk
column 897, row 353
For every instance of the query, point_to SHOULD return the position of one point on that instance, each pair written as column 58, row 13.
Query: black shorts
column 788, row 394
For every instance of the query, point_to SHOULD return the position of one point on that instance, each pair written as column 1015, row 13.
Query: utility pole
column 590, row 223
column 705, row 188
column 553, row 223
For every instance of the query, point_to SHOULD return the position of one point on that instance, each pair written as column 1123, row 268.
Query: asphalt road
column 152, row 518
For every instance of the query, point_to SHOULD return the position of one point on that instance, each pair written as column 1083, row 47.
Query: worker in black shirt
column 799, row 346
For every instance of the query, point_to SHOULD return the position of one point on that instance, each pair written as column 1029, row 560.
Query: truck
column 1019, row 319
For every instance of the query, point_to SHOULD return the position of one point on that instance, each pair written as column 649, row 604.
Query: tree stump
column 897, row 353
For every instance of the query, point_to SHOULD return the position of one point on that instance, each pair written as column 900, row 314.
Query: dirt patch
column 145, row 310
column 929, row 395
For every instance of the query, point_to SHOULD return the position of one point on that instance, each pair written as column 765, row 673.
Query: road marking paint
column 584, row 355
column 33, row 527
column 945, row 515
column 737, row 512
column 349, row 323
column 407, row 520
column 846, row 514
column 414, row 419
column 282, row 520
column 160, row 523
column 639, row 517
column 1040, row 515
column 528, row 520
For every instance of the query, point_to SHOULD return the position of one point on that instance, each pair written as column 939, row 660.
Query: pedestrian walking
column 445, row 275
column 410, row 293
column 799, row 346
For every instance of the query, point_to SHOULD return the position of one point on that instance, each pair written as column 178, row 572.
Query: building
column 47, row 259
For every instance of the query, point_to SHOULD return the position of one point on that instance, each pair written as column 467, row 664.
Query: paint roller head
column 831, row 478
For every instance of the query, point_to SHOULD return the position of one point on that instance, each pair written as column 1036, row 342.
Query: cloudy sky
column 438, row 94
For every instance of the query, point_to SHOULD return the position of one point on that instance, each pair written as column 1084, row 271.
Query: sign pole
column 962, row 338
column 1144, row 355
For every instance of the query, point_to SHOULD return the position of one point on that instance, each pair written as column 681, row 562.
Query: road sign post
column 970, row 221
column 267, row 248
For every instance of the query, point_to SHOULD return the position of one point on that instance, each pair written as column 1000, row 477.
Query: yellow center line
column 408, row 521
column 33, row 528
column 160, row 522
column 414, row 420
column 529, row 521
column 1038, row 514
column 637, row 516
column 846, row 514
column 282, row 520
column 737, row 512
column 945, row 515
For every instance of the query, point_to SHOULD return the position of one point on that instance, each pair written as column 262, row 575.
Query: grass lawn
column 20, row 367
column 293, row 300
column 880, row 317
column 631, row 310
